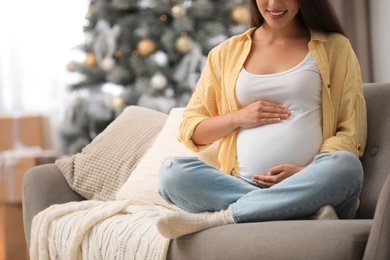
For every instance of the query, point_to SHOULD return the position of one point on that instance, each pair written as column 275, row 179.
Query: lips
column 276, row 14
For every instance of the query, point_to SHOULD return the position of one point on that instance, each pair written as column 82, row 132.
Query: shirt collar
column 315, row 35
column 318, row 36
column 249, row 32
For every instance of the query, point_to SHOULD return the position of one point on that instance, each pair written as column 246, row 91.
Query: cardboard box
column 24, row 130
column 13, row 170
column 12, row 239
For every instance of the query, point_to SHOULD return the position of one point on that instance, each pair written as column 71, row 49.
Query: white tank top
column 295, row 140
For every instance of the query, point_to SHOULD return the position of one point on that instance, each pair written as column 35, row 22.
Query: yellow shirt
column 344, row 123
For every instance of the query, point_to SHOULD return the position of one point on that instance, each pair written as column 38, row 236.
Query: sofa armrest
column 379, row 238
column 43, row 186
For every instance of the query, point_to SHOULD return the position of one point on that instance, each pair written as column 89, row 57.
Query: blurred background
column 81, row 61
column 69, row 67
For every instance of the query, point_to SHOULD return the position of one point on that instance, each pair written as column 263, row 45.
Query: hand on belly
column 276, row 174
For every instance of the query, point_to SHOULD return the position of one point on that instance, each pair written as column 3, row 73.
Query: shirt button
column 328, row 86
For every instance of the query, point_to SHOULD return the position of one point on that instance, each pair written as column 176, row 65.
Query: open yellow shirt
column 344, row 122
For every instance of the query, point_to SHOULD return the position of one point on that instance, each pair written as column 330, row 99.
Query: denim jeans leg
column 194, row 186
column 333, row 178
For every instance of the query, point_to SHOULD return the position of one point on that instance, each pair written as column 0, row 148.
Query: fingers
column 276, row 170
column 272, row 110
column 266, row 121
column 265, row 181
column 268, row 112
column 261, row 113
column 276, row 174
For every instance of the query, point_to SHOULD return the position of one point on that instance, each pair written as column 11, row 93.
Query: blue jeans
column 332, row 179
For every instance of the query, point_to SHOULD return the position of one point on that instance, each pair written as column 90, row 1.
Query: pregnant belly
column 294, row 141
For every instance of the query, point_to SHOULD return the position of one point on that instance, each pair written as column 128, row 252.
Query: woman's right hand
column 261, row 113
column 255, row 114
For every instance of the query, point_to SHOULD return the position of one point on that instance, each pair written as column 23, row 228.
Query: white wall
column 380, row 41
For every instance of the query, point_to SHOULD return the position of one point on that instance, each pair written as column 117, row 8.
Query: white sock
column 325, row 212
column 179, row 224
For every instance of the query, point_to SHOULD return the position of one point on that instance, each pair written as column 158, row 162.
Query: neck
column 293, row 30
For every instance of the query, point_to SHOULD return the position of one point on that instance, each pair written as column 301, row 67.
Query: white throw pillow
column 143, row 182
column 104, row 165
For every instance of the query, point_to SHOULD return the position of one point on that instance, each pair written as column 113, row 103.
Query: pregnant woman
column 285, row 102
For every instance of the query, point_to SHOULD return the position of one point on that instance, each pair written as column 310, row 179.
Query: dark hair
column 317, row 15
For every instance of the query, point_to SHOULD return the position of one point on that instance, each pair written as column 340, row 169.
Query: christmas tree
column 148, row 53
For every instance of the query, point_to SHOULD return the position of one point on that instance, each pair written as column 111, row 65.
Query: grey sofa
column 366, row 237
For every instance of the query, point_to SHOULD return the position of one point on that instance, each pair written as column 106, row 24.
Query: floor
column 12, row 240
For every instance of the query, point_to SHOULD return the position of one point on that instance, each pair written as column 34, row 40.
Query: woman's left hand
column 276, row 174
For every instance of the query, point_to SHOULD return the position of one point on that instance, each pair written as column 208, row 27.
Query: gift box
column 25, row 131
column 24, row 143
column 14, row 164
column 12, row 239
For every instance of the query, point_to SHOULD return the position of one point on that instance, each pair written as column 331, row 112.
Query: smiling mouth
column 277, row 13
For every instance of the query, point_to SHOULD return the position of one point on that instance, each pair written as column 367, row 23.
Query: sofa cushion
column 303, row 239
column 143, row 182
column 376, row 156
column 106, row 163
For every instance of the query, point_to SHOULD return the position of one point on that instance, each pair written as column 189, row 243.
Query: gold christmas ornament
column 90, row 59
column 146, row 46
column 163, row 18
column 240, row 14
column 118, row 54
column 178, row 11
column 134, row 53
column 184, row 43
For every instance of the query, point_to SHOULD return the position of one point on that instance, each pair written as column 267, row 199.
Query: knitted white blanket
column 123, row 229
